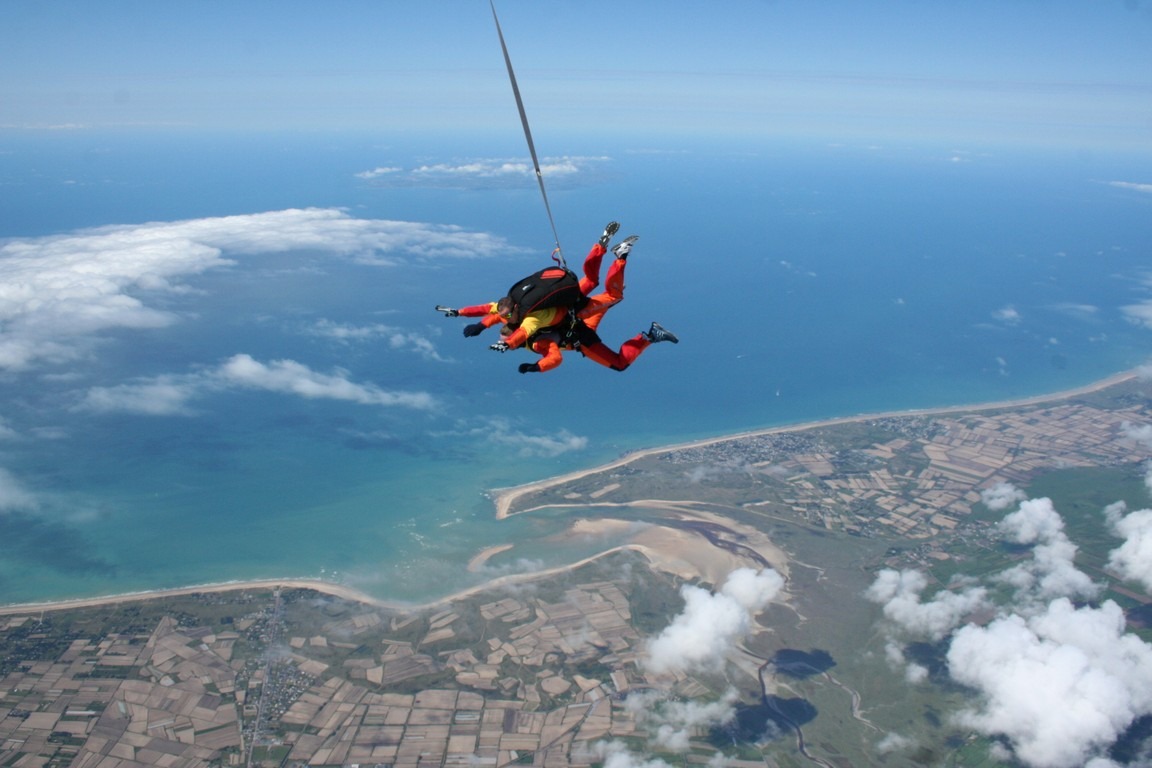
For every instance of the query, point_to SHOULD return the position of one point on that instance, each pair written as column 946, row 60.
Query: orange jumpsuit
column 551, row 342
column 547, row 333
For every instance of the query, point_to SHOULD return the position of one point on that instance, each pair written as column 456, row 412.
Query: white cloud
column 1035, row 520
column 377, row 172
column 161, row 396
column 1131, row 185
column 481, row 171
column 615, row 754
column 291, row 377
column 1077, row 310
column 487, row 168
column 1143, row 435
column 1139, row 314
column 169, row 395
column 397, row 338
column 1051, row 572
column 1062, row 685
column 671, row 723
column 711, row 624
column 894, row 742
column 899, row 592
column 1008, row 315
column 501, row 431
column 56, row 293
column 348, row 333
column 1132, row 560
column 13, row 495
column 1001, row 496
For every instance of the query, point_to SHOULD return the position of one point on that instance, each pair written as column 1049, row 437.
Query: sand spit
column 671, row 550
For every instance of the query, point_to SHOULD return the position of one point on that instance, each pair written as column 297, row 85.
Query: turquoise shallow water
column 805, row 282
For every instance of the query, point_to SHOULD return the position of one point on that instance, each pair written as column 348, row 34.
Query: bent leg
column 592, row 261
column 617, row 361
column 613, row 294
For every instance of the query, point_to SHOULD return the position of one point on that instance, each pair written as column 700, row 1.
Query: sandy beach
column 666, row 550
column 326, row 587
column 504, row 498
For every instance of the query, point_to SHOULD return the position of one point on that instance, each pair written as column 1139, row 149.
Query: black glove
column 500, row 346
column 475, row 329
column 529, row 368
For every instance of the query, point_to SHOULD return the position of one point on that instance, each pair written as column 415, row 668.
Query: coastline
column 503, row 498
column 327, row 588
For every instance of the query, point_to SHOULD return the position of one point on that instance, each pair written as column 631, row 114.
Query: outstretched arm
column 487, row 314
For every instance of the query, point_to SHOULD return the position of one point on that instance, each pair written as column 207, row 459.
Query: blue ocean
column 247, row 399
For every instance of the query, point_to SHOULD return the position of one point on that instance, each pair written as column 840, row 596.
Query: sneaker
column 612, row 228
column 622, row 248
column 659, row 333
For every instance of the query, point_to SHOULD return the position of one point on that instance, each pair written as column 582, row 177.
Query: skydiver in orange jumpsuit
column 580, row 334
column 550, row 331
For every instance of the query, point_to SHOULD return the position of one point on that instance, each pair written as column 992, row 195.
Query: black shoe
column 612, row 228
column 622, row 248
column 659, row 333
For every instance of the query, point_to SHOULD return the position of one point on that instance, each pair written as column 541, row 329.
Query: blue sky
column 1074, row 71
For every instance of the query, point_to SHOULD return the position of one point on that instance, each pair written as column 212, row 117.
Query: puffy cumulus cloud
column 13, row 495
column 1059, row 683
column 894, row 742
column 711, row 624
column 1008, row 314
column 1001, row 496
column 1062, row 685
column 1132, row 560
column 899, row 592
column 1052, row 571
column 57, row 292
column 1035, row 520
column 170, row 395
column 670, row 724
column 1140, row 433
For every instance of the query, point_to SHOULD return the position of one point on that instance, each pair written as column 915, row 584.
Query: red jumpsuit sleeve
column 550, row 354
column 486, row 312
column 477, row 310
